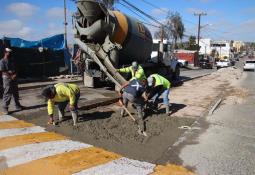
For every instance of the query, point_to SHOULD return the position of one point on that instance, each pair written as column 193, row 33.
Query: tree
column 173, row 28
column 158, row 34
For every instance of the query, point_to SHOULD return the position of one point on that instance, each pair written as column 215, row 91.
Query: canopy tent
column 51, row 59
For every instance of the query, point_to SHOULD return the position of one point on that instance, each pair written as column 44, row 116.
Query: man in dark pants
column 10, row 84
column 132, row 92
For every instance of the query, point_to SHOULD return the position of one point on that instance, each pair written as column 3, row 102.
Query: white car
column 183, row 63
column 223, row 63
column 249, row 65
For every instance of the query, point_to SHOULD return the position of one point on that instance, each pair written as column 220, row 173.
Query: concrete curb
column 200, row 76
column 26, row 87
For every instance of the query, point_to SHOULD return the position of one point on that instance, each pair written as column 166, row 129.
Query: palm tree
column 175, row 27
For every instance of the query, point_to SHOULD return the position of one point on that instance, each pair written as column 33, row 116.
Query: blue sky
column 226, row 19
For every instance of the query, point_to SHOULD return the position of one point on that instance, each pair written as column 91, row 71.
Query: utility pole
column 65, row 24
column 198, row 31
column 161, row 45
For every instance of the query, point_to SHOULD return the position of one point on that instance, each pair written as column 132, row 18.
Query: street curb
column 215, row 106
column 188, row 79
column 103, row 102
column 22, row 87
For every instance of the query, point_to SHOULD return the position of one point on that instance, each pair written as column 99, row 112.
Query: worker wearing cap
column 132, row 92
column 61, row 94
column 135, row 69
column 10, row 84
column 159, row 85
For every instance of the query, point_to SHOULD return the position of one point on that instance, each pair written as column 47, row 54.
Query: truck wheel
column 176, row 74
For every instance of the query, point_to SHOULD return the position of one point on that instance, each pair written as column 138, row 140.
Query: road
column 189, row 74
column 224, row 142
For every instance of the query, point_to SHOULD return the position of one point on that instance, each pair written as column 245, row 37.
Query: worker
column 159, row 86
column 136, row 71
column 61, row 94
column 132, row 92
column 10, row 85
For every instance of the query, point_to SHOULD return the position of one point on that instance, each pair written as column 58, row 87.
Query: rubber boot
column 75, row 117
column 60, row 115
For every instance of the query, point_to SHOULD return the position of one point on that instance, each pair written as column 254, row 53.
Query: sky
column 225, row 19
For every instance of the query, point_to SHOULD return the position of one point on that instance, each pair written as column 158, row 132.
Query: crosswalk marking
column 20, row 131
column 14, row 124
column 26, row 149
column 14, row 141
column 170, row 169
column 6, row 118
column 122, row 166
column 66, row 163
column 23, row 154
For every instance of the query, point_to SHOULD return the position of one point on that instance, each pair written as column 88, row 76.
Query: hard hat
column 150, row 81
column 134, row 65
column 7, row 49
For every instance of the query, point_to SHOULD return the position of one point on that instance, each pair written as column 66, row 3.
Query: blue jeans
column 165, row 95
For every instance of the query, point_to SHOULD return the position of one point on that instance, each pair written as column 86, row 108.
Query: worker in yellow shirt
column 61, row 94
column 136, row 71
column 159, row 85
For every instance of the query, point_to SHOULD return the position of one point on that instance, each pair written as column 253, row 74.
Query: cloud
column 15, row 28
column 160, row 11
column 55, row 13
column 22, row 9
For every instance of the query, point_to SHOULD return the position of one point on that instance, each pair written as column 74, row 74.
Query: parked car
column 223, row 63
column 249, row 65
column 183, row 63
column 206, row 64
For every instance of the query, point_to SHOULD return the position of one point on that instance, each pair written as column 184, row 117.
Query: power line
column 147, row 22
column 142, row 12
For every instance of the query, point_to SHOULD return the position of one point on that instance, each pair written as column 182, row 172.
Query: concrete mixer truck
column 110, row 39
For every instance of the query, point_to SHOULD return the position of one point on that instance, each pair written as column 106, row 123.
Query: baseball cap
column 150, row 81
column 8, row 49
column 135, row 65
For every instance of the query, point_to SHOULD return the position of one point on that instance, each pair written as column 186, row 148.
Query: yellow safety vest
column 161, row 81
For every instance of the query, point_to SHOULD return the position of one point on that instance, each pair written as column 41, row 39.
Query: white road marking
column 7, row 118
column 122, row 166
column 27, row 153
column 20, row 131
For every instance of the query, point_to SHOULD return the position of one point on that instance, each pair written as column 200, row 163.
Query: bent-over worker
column 136, row 70
column 61, row 94
column 132, row 92
column 159, row 86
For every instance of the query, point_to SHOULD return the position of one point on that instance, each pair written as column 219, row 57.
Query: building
column 238, row 45
column 222, row 47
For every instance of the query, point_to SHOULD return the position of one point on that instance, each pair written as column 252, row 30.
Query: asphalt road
column 189, row 74
column 225, row 143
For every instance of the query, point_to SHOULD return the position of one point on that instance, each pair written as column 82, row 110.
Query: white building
column 222, row 47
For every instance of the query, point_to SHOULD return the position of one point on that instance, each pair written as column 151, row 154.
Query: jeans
column 164, row 94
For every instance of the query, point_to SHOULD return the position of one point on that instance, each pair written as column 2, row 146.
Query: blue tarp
column 55, row 42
